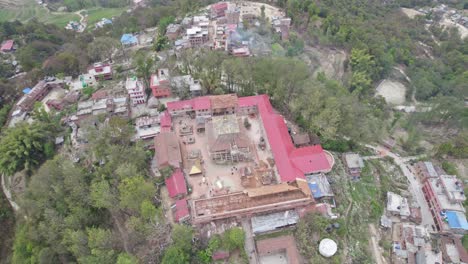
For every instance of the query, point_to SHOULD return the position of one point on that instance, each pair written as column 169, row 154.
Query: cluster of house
column 454, row 15
column 301, row 169
column 412, row 243
column 445, row 196
column 103, row 22
column 75, row 26
column 221, row 28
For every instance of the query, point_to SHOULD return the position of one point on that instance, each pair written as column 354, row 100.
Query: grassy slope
column 96, row 14
column 23, row 10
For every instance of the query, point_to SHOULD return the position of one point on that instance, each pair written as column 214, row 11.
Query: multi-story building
column 426, row 170
column 101, row 71
column 219, row 9
column 37, row 93
column 354, row 164
column 160, row 83
column 444, row 196
column 172, row 31
column 197, row 36
column 135, row 91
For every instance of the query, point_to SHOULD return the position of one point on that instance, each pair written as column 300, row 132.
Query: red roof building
column 167, row 150
column 166, row 121
column 220, row 255
column 182, row 212
column 176, row 185
column 290, row 161
column 7, row 46
column 160, row 83
column 102, row 94
column 219, row 9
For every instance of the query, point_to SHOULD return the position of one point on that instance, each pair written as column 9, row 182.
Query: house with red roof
column 176, row 185
column 7, row 46
column 219, row 9
column 160, row 83
column 182, row 212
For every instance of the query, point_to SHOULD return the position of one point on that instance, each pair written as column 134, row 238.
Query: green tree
column 234, row 238
column 148, row 210
column 144, row 68
column 102, row 48
column 125, row 258
column 182, row 236
column 175, row 255
column 133, row 191
column 22, row 147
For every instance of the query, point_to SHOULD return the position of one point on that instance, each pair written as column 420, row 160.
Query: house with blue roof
column 456, row 221
column 129, row 40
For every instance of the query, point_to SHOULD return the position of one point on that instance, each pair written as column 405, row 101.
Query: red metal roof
column 220, row 255
column 292, row 163
column 310, row 159
column 165, row 119
column 99, row 95
column 201, row 103
column 195, row 104
column 176, row 184
column 182, row 210
column 219, row 6
column 7, row 45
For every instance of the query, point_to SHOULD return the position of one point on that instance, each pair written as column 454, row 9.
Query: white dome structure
column 327, row 247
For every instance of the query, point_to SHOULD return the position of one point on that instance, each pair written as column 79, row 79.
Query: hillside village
column 223, row 161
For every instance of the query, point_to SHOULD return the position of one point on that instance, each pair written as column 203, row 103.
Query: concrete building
column 354, row 164
column 111, row 106
column 445, row 195
column 173, row 31
column 272, row 198
column 425, row 170
column 147, row 127
column 229, row 143
column 219, row 9
column 232, row 15
column 397, row 205
column 160, row 83
column 101, row 71
column 83, row 81
column 197, row 36
column 37, row 93
column 186, row 83
column 135, row 90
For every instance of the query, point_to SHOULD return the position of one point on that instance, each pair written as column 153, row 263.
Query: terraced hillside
column 24, row 10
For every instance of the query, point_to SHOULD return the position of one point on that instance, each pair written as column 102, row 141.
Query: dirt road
column 249, row 242
column 375, row 245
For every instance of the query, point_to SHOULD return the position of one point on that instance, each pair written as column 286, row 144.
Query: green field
column 24, row 10
column 96, row 14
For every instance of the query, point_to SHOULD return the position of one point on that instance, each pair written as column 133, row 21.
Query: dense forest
column 106, row 208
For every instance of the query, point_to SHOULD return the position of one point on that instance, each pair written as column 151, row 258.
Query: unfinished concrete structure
column 229, row 143
column 280, row 197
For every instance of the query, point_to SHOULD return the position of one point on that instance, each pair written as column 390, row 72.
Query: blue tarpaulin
column 26, row 90
column 128, row 39
column 457, row 220
column 314, row 188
